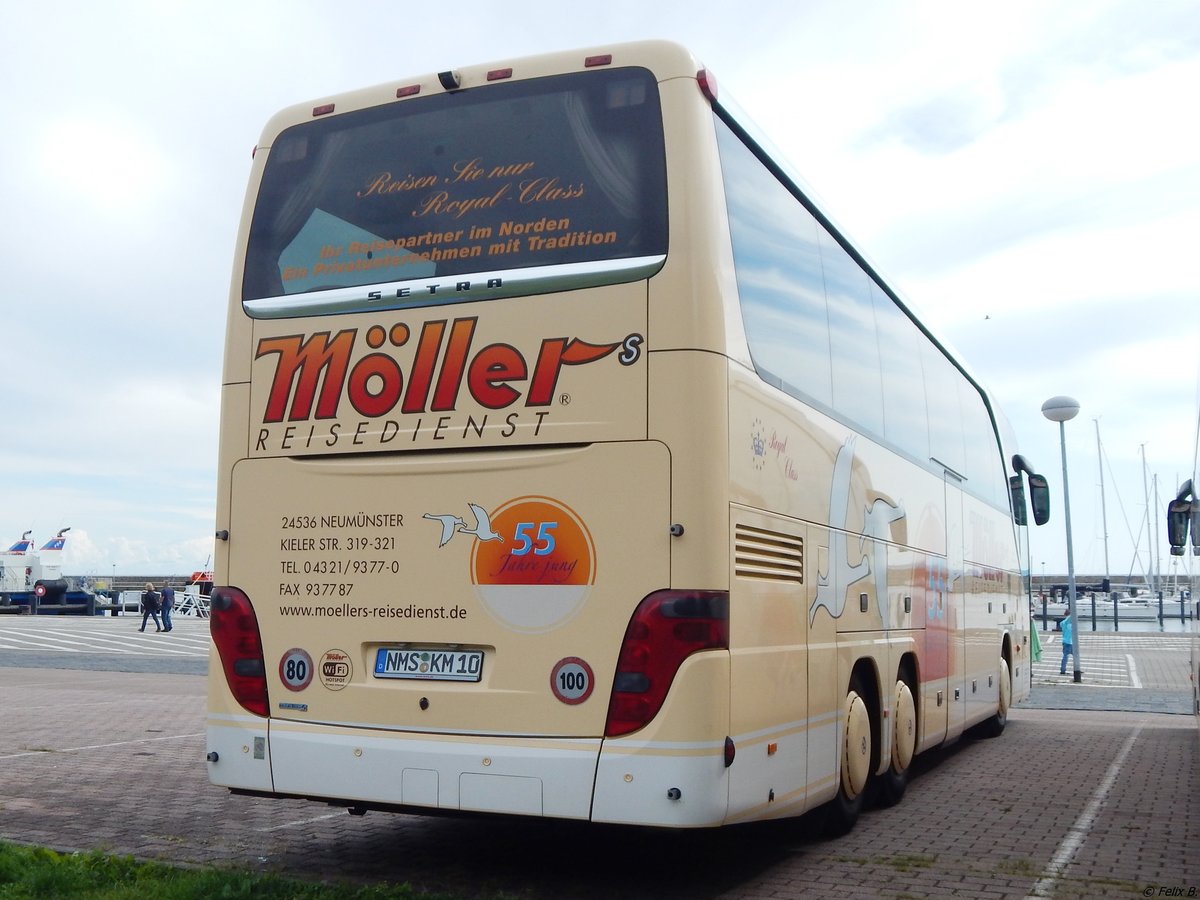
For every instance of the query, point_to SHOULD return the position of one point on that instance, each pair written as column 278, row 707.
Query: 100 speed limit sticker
column 571, row 680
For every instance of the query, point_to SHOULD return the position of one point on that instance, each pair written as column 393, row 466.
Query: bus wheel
column 894, row 781
column 842, row 811
column 994, row 726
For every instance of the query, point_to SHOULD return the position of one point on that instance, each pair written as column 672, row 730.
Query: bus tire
column 842, row 811
column 894, row 782
column 994, row 727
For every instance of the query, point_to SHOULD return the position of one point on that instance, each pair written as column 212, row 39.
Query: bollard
column 1045, row 618
column 1112, row 595
column 1093, row 595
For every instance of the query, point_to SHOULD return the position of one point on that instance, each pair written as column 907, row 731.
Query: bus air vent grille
column 768, row 555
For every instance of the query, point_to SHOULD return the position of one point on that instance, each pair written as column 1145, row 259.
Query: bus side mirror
column 1180, row 514
column 1183, row 511
column 1039, row 498
column 1039, row 493
column 1016, row 487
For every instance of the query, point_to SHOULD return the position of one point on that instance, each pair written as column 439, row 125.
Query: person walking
column 151, row 603
column 1068, row 642
column 168, row 604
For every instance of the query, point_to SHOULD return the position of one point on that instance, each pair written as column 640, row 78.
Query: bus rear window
column 539, row 185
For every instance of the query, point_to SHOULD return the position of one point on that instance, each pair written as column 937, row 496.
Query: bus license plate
column 429, row 664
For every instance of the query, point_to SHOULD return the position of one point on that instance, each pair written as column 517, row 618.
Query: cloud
column 1033, row 163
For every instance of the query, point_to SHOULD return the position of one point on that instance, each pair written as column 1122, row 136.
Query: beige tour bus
column 574, row 464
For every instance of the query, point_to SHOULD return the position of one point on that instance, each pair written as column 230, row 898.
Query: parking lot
column 1068, row 802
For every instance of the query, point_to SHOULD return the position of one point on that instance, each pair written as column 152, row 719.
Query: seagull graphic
column 452, row 525
column 483, row 525
column 449, row 524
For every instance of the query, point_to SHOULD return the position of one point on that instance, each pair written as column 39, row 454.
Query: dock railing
column 1112, row 608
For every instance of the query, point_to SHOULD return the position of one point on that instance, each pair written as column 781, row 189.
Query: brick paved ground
column 1144, row 672
column 1068, row 802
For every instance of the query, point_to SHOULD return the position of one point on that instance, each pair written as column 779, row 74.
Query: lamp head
column 1060, row 409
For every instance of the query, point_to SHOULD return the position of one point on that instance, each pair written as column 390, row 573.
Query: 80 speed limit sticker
column 296, row 669
column 571, row 680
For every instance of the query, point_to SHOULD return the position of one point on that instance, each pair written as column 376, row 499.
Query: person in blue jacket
column 1068, row 643
column 168, row 604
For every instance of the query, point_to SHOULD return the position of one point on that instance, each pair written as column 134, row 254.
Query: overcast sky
column 1027, row 174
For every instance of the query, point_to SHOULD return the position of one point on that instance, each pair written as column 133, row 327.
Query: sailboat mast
column 1157, row 558
column 1146, row 495
column 1103, row 507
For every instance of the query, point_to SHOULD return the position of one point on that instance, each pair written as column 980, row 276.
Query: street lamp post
column 1062, row 410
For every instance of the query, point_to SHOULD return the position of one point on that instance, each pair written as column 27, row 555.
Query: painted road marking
column 117, row 635
column 1079, row 830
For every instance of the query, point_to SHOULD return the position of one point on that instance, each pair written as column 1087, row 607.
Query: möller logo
column 315, row 373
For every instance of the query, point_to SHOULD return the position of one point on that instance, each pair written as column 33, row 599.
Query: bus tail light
column 234, row 629
column 666, row 628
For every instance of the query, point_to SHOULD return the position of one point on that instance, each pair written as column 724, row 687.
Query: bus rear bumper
column 546, row 777
column 667, row 786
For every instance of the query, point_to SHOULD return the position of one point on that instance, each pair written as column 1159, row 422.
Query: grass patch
column 33, row 872
column 906, row 862
column 852, row 860
column 1023, row 867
